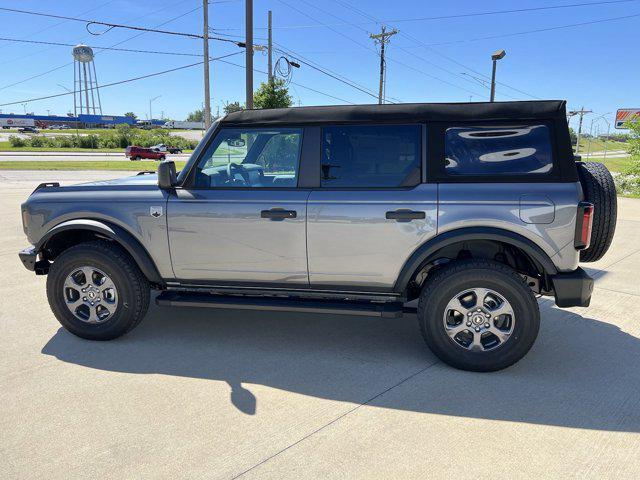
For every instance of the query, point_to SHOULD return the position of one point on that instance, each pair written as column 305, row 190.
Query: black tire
column 599, row 189
column 459, row 276
column 137, row 158
column 133, row 289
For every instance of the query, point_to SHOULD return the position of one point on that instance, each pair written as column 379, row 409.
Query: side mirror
column 167, row 177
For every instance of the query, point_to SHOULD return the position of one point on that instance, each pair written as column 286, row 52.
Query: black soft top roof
column 410, row 112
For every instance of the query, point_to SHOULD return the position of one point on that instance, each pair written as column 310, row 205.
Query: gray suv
column 469, row 211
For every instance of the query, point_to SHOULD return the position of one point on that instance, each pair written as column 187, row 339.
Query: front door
column 241, row 217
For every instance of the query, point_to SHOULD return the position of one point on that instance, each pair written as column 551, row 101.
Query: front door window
column 251, row 158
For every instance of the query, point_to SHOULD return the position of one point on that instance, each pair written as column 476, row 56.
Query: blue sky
column 590, row 65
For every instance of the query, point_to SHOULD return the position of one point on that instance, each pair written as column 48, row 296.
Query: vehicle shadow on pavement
column 581, row 373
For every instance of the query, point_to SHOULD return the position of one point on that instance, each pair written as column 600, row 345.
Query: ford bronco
column 469, row 210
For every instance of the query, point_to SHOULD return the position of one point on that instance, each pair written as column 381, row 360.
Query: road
column 74, row 156
column 225, row 394
column 610, row 154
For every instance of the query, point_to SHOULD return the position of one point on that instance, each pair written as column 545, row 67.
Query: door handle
column 404, row 215
column 278, row 214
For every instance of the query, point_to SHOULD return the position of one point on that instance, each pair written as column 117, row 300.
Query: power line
column 367, row 47
column 96, row 22
column 326, row 72
column 217, row 59
column 121, row 81
column 538, row 30
column 44, row 29
column 117, row 25
column 440, row 67
column 171, row 5
column 292, row 83
column 448, row 17
column 40, row 42
column 112, row 46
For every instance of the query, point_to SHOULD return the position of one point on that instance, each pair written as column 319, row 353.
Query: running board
column 185, row 299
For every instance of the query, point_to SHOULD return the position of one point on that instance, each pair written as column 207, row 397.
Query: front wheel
column 96, row 291
column 478, row 315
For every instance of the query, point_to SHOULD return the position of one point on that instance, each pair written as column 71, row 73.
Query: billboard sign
column 624, row 115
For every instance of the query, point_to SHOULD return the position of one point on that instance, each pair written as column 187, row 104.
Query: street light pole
column 495, row 57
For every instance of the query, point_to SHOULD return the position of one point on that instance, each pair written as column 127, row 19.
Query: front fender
column 113, row 232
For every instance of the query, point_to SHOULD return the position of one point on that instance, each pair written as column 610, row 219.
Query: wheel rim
column 90, row 295
column 479, row 319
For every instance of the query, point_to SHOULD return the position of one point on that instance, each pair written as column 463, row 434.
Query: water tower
column 86, row 96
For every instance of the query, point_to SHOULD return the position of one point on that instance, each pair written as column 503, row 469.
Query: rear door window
column 371, row 156
column 498, row 150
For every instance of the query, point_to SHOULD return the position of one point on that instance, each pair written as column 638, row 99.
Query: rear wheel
column 478, row 315
column 96, row 291
column 137, row 157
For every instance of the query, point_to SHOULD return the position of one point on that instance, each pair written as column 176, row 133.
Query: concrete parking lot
column 225, row 394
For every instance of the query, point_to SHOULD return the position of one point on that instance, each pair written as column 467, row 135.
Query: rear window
column 371, row 156
column 498, row 150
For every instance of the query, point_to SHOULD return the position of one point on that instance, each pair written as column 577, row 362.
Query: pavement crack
column 335, row 420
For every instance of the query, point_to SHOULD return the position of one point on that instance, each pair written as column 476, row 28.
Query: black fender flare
column 466, row 234
column 114, row 232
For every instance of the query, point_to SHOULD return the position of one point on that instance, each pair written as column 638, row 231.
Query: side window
column 250, row 158
column 493, row 150
column 371, row 156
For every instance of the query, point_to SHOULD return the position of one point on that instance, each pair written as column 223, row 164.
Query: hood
column 145, row 179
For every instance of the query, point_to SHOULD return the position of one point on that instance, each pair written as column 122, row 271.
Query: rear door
column 372, row 209
column 241, row 217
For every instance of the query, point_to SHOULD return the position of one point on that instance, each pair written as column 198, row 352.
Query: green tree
column 272, row 95
column 131, row 115
column 232, row 107
column 634, row 147
column 197, row 116
column 573, row 135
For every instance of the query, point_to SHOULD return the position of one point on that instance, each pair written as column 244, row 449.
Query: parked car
column 161, row 147
column 138, row 153
column 472, row 210
column 28, row 130
column 65, row 127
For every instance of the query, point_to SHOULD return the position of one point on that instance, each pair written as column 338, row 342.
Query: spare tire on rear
column 599, row 189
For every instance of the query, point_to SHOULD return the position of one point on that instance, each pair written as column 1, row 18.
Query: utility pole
column 249, row 53
column 270, row 48
column 382, row 38
column 582, row 112
column 205, row 34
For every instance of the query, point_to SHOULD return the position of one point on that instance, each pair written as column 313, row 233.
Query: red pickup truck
column 138, row 153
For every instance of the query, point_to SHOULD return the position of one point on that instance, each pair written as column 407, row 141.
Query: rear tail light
column 584, row 225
